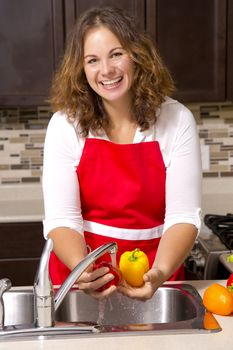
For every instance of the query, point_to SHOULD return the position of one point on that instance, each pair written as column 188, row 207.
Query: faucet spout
column 80, row 268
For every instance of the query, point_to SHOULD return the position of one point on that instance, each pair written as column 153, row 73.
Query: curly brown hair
column 71, row 92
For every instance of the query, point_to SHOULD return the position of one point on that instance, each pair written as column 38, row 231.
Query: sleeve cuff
column 193, row 219
column 49, row 226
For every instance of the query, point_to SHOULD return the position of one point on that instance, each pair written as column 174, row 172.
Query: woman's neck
column 122, row 126
column 119, row 112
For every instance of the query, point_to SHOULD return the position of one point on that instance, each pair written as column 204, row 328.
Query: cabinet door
column 20, row 250
column 191, row 37
column 21, row 240
column 31, row 35
column 21, row 272
column 230, row 52
column 73, row 8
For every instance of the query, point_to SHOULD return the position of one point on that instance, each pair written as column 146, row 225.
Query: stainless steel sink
column 175, row 308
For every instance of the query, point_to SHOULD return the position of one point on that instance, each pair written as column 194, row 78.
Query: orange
column 218, row 299
column 210, row 322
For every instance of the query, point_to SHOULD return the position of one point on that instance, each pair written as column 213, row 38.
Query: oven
column 214, row 242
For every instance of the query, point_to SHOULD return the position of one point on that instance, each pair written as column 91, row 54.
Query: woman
column 121, row 158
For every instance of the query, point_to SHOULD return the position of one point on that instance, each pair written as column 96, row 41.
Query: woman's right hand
column 93, row 279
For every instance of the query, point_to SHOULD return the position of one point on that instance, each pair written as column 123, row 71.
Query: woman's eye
column 92, row 60
column 117, row 54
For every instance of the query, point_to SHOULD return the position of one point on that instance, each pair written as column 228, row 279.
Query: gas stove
column 214, row 240
column 222, row 226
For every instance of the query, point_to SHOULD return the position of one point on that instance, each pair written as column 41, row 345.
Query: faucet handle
column 5, row 284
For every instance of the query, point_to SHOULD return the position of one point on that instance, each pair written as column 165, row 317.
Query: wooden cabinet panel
column 20, row 250
column 230, row 51
column 194, row 38
column 21, row 240
column 21, row 272
column 191, row 37
column 73, row 8
column 31, row 35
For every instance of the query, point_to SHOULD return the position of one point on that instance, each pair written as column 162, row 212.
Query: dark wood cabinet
column 194, row 38
column 73, row 9
column 31, row 36
column 20, row 250
column 229, row 74
column 191, row 38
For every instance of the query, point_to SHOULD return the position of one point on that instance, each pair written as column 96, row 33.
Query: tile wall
column 215, row 126
column 22, row 132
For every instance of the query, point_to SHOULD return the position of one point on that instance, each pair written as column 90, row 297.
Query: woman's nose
column 106, row 67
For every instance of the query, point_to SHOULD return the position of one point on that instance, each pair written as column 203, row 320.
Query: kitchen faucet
column 46, row 302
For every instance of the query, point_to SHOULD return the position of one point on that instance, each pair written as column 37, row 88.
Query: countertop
column 214, row 341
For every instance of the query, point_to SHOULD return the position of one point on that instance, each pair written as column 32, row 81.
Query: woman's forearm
column 174, row 247
column 69, row 246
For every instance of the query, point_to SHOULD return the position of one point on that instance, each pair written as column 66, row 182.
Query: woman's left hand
column 153, row 280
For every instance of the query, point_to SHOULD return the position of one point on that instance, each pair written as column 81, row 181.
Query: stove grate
column 222, row 226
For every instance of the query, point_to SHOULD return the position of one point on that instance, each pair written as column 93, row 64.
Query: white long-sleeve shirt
column 176, row 132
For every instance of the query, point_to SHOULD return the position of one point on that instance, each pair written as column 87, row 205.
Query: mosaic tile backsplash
column 22, row 132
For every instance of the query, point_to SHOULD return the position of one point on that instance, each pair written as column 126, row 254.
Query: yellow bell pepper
column 133, row 265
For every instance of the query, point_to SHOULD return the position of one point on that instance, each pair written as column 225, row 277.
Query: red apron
column 122, row 192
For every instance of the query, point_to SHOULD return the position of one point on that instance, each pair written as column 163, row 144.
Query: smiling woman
column 121, row 158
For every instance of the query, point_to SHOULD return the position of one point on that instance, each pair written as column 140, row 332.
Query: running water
column 103, row 305
column 106, row 303
column 113, row 258
column 110, row 304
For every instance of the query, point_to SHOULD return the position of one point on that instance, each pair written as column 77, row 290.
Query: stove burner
column 222, row 226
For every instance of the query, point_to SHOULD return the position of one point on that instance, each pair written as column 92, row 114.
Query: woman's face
column 108, row 67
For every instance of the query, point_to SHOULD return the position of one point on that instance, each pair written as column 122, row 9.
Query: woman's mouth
column 110, row 84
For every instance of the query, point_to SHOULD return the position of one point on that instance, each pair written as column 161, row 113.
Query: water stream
column 113, row 259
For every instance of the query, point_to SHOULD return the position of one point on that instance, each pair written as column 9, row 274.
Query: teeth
column 110, row 82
